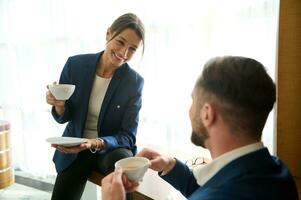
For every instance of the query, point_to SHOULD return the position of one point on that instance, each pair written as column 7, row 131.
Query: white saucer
column 66, row 141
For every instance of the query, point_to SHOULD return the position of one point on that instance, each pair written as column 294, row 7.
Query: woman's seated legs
column 70, row 183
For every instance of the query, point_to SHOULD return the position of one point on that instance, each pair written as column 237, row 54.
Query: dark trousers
column 70, row 183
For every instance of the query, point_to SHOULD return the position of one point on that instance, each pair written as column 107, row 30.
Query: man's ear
column 208, row 114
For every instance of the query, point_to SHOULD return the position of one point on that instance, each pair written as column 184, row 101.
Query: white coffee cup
column 61, row 91
column 133, row 167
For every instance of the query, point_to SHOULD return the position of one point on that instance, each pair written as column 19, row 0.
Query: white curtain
column 37, row 36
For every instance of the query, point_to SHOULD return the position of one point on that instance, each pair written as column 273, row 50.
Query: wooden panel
column 298, row 182
column 5, row 159
column 4, row 140
column 289, row 87
column 6, row 171
column 6, row 177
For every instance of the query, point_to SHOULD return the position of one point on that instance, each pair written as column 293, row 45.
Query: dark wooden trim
column 289, row 87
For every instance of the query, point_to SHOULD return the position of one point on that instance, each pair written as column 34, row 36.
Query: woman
column 104, row 108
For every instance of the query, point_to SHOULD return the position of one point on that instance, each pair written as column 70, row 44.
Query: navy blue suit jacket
column 118, row 117
column 257, row 175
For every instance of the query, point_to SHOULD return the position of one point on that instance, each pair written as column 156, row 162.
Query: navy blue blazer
column 257, row 175
column 118, row 117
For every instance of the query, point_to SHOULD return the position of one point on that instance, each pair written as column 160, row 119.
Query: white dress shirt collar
column 203, row 173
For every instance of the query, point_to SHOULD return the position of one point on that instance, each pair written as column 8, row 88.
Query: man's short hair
column 242, row 91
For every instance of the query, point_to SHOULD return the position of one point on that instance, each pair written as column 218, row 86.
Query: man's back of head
column 242, row 90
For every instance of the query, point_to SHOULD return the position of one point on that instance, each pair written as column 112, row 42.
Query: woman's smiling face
column 122, row 47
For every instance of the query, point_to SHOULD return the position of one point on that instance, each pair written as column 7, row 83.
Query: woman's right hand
column 59, row 105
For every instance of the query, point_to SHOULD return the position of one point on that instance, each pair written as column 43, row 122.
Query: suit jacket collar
column 89, row 74
column 203, row 173
column 116, row 79
column 88, row 84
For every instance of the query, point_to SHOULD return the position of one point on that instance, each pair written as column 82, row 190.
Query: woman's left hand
column 75, row 149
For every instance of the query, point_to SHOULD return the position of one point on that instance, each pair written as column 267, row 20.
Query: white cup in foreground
column 61, row 91
column 133, row 167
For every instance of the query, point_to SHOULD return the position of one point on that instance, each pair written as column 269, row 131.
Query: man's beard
column 198, row 138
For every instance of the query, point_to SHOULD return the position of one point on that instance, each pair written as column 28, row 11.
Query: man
column 231, row 102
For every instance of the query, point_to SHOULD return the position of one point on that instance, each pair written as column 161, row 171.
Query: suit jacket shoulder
column 257, row 175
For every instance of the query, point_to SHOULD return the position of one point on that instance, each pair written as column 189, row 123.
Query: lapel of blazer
column 110, row 91
column 250, row 162
column 89, row 75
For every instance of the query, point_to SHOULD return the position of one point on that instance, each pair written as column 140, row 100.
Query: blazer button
column 118, row 106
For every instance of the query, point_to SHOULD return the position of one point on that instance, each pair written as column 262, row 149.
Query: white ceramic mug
column 133, row 167
column 61, row 91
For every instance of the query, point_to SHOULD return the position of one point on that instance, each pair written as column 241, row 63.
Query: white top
column 98, row 92
column 203, row 173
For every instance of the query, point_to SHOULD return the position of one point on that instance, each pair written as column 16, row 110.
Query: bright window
column 37, row 37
